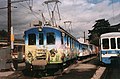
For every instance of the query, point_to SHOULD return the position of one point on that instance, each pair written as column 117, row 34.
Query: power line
column 24, row 6
column 3, row 1
column 3, row 15
column 30, row 5
column 29, row 8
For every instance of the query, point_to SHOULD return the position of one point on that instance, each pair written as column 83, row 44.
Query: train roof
column 57, row 28
column 111, row 34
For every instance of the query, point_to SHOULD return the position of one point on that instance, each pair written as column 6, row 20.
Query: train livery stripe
column 109, row 55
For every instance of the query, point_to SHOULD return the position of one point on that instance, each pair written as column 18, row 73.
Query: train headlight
column 52, row 52
column 40, row 29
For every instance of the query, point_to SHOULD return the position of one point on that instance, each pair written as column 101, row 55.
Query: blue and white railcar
column 93, row 49
column 49, row 47
column 110, row 46
column 84, row 51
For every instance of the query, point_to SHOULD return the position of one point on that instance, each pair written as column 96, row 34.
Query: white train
column 110, row 47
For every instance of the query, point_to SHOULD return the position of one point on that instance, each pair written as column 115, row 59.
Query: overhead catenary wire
column 34, row 12
column 2, row 1
column 23, row 13
column 29, row 8
column 52, row 5
column 3, row 15
column 58, row 12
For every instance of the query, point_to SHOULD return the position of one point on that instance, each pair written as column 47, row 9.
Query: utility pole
column 9, row 19
column 9, row 22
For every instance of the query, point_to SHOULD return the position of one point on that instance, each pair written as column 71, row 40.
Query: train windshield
column 105, row 43
column 118, row 43
column 50, row 38
column 41, row 38
column 31, row 39
column 113, row 43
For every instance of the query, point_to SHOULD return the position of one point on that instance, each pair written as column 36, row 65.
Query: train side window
column 67, row 41
column 113, row 43
column 105, row 43
column 73, row 43
column 31, row 39
column 70, row 42
column 118, row 43
column 62, row 38
column 50, row 38
column 41, row 38
column 80, row 46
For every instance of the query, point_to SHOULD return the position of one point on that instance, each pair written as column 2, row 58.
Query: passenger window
column 67, row 41
column 50, row 38
column 73, row 43
column 118, row 43
column 31, row 39
column 113, row 43
column 62, row 36
column 70, row 43
column 41, row 38
column 105, row 43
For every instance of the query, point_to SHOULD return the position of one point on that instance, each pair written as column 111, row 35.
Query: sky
column 81, row 13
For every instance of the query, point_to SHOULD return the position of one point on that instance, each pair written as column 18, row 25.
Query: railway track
column 112, row 70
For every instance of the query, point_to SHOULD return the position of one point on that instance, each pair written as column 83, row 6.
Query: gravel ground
column 80, row 70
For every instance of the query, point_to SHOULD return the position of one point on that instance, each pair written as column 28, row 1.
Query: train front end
column 42, row 48
column 110, row 48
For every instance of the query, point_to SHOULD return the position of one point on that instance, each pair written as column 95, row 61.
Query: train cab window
column 41, row 38
column 118, row 43
column 50, row 38
column 105, row 43
column 113, row 43
column 31, row 39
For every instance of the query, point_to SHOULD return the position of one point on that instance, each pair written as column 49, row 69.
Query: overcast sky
column 82, row 14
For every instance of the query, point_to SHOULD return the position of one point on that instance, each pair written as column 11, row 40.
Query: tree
column 3, row 34
column 101, row 26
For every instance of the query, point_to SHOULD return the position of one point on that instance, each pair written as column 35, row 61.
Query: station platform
column 5, row 74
